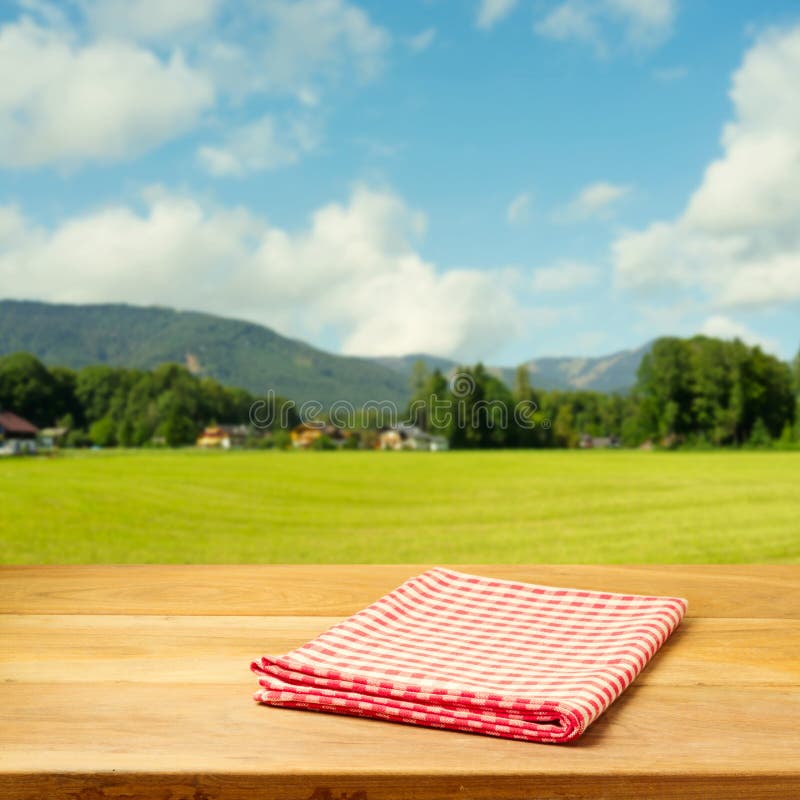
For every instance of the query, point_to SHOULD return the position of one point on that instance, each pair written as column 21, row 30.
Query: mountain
column 612, row 373
column 235, row 353
column 252, row 356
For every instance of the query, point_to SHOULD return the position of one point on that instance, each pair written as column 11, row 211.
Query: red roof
column 11, row 423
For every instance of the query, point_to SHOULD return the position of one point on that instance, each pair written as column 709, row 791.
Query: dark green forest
column 108, row 406
column 697, row 392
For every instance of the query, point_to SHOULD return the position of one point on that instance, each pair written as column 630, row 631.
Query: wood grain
column 391, row 786
column 133, row 682
column 339, row 590
column 151, row 649
column 216, row 728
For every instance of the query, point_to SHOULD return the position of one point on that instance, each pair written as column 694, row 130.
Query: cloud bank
column 737, row 241
column 121, row 77
column 354, row 271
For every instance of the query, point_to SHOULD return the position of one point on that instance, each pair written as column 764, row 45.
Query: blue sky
column 490, row 180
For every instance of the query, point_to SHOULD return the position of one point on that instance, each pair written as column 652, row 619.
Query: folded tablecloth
column 447, row 649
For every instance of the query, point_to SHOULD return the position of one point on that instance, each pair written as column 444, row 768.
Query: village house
column 50, row 438
column 588, row 442
column 17, row 435
column 224, row 436
column 306, row 433
column 410, row 437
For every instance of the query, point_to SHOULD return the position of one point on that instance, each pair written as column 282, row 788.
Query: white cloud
column 571, row 21
column 260, row 145
column 647, row 22
column 295, row 47
column 638, row 24
column 354, row 270
column 564, row 276
column 111, row 84
column 299, row 48
column 595, row 200
column 147, row 19
column 490, row 12
column 737, row 241
column 309, row 41
column 422, row 40
column 70, row 103
column 519, row 209
column 722, row 327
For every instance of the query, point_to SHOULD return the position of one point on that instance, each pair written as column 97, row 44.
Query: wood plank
column 339, row 590
column 215, row 730
column 52, row 649
column 323, row 786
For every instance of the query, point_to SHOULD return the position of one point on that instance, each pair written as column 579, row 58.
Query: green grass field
column 457, row 507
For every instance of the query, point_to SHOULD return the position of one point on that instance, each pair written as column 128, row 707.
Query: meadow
column 188, row 506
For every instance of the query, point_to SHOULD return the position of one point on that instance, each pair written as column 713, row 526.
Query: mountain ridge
column 615, row 372
column 255, row 357
column 233, row 352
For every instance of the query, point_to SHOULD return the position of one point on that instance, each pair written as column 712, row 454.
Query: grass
column 458, row 507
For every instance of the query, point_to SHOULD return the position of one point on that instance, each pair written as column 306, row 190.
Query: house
column 588, row 442
column 306, row 433
column 17, row 435
column 224, row 436
column 52, row 437
column 409, row 437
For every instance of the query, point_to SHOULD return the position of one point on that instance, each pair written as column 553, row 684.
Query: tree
column 704, row 389
column 528, row 417
column 428, row 406
column 77, row 438
column 796, row 374
column 67, row 421
column 281, row 440
column 126, row 432
column 522, row 383
column 481, row 410
column 102, row 432
column 663, row 389
column 178, row 429
column 419, row 377
column 28, row 389
column 564, row 426
column 796, row 381
column 759, row 435
column 788, row 438
column 323, row 442
column 96, row 389
column 66, row 403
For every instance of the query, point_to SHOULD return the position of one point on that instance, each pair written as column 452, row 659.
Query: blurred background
column 475, row 281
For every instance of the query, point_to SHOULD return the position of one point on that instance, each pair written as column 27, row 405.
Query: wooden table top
column 133, row 682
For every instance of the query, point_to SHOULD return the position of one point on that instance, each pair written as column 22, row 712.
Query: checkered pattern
column 447, row 649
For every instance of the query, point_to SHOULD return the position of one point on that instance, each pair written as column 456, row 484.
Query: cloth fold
column 449, row 649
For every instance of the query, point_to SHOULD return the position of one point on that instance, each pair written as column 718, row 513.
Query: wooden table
column 133, row 682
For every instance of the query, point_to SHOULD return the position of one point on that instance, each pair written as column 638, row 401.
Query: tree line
column 109, row 406
column 697, row 392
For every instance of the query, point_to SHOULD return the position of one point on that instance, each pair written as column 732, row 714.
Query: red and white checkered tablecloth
column 447, row 649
